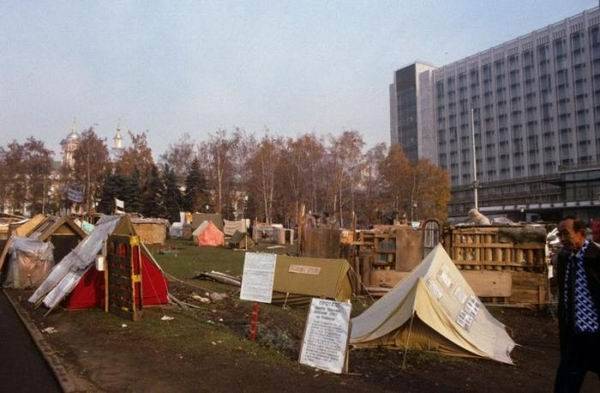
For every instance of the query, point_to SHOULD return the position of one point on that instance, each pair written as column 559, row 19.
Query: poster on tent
column 258, row 276
column 325, row 341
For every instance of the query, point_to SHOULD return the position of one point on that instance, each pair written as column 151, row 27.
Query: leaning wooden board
column 483, row 282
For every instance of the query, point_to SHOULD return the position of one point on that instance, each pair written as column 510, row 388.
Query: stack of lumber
column 508, row 263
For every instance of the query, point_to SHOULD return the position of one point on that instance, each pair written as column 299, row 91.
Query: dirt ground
column 205, row 348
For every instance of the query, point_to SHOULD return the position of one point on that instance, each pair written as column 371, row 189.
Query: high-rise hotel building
column 536, row 116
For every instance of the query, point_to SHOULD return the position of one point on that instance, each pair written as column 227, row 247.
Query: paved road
column 22, row 367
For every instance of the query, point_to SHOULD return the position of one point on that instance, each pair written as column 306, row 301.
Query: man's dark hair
column 578, row 224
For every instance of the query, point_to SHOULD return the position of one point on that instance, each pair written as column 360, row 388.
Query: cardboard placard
column 258, row 276
column 325, row 341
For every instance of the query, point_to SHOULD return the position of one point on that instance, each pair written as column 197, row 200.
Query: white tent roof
column 437, row 294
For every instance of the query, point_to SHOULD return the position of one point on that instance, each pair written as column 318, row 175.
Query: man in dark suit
column 578, row 276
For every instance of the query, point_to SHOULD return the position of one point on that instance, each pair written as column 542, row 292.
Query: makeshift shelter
column 297, row 279
column 231, row 227
column 24, row 229
column 29, row 263
column 176, row 230
column 77, row 280
column 207, row 234
column 199, row 218
column 61, row 234
column 151, row 230
column 240, row 240
column 433, row 309
column 269, row 233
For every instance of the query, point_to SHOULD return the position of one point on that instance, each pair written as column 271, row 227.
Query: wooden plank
column 489, row 283
column 27, row 228
column 386, row 278
column 485, row 283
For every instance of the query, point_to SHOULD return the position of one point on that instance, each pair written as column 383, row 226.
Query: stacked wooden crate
column 495, row 251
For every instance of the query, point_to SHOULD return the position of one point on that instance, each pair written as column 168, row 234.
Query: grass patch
column 184, row 259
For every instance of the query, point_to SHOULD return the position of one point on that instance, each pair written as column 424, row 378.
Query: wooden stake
column 254, row 321
column 407, row 341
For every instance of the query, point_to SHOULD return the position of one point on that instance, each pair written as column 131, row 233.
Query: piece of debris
column 274, row 247
column 201, row 299
column 166, row 318
column 50, row 330
column 124, row 325
column 213, row 343
column 219, row 277
column 217, row 297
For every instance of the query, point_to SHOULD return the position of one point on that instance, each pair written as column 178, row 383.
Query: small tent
column 207, row 234
column 76, row 280
column 62, row 232
column 433, row 309
column 199, row 218
column 199, row 230
column 311, row 277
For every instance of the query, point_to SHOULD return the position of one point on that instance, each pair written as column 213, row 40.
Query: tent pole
column 412, row 317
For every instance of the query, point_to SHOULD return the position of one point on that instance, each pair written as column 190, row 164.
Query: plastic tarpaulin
column 29, row 264
column 446, row 313
column 176, row 230
column 68, row 272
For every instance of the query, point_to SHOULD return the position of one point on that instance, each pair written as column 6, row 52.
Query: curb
column 50, row 356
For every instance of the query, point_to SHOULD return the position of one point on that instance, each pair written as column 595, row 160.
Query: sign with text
column 75, row 195
column 326, row 334
column 257, row 279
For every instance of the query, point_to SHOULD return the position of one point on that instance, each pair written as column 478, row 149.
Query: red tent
column 89, row 292
column 210, row 236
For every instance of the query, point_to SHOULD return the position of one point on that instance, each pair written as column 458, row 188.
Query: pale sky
column 172, row 67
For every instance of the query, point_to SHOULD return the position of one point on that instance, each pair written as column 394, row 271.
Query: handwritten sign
column 325, row 339
column 302, row 269
column 257, row 278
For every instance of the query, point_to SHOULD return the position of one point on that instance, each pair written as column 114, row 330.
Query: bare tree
column 38, row 166
column 137, row 156
column 179, row 156
column 345, row 155
column 263, row 165
column 218, row 153
column 91, row 163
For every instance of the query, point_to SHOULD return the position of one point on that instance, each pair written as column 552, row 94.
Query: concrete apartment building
column 536, row 117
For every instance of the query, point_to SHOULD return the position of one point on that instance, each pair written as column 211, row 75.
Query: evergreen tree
column 172, row 196
column 108, row 194
column 133, row 197
column 195, row 186
column 153, row 195
column 114, row 186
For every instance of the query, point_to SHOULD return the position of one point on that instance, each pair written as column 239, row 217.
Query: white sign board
column 326, row 335
column 257, row 279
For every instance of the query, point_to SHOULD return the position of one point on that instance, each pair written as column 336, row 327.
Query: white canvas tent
column 433, row 309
